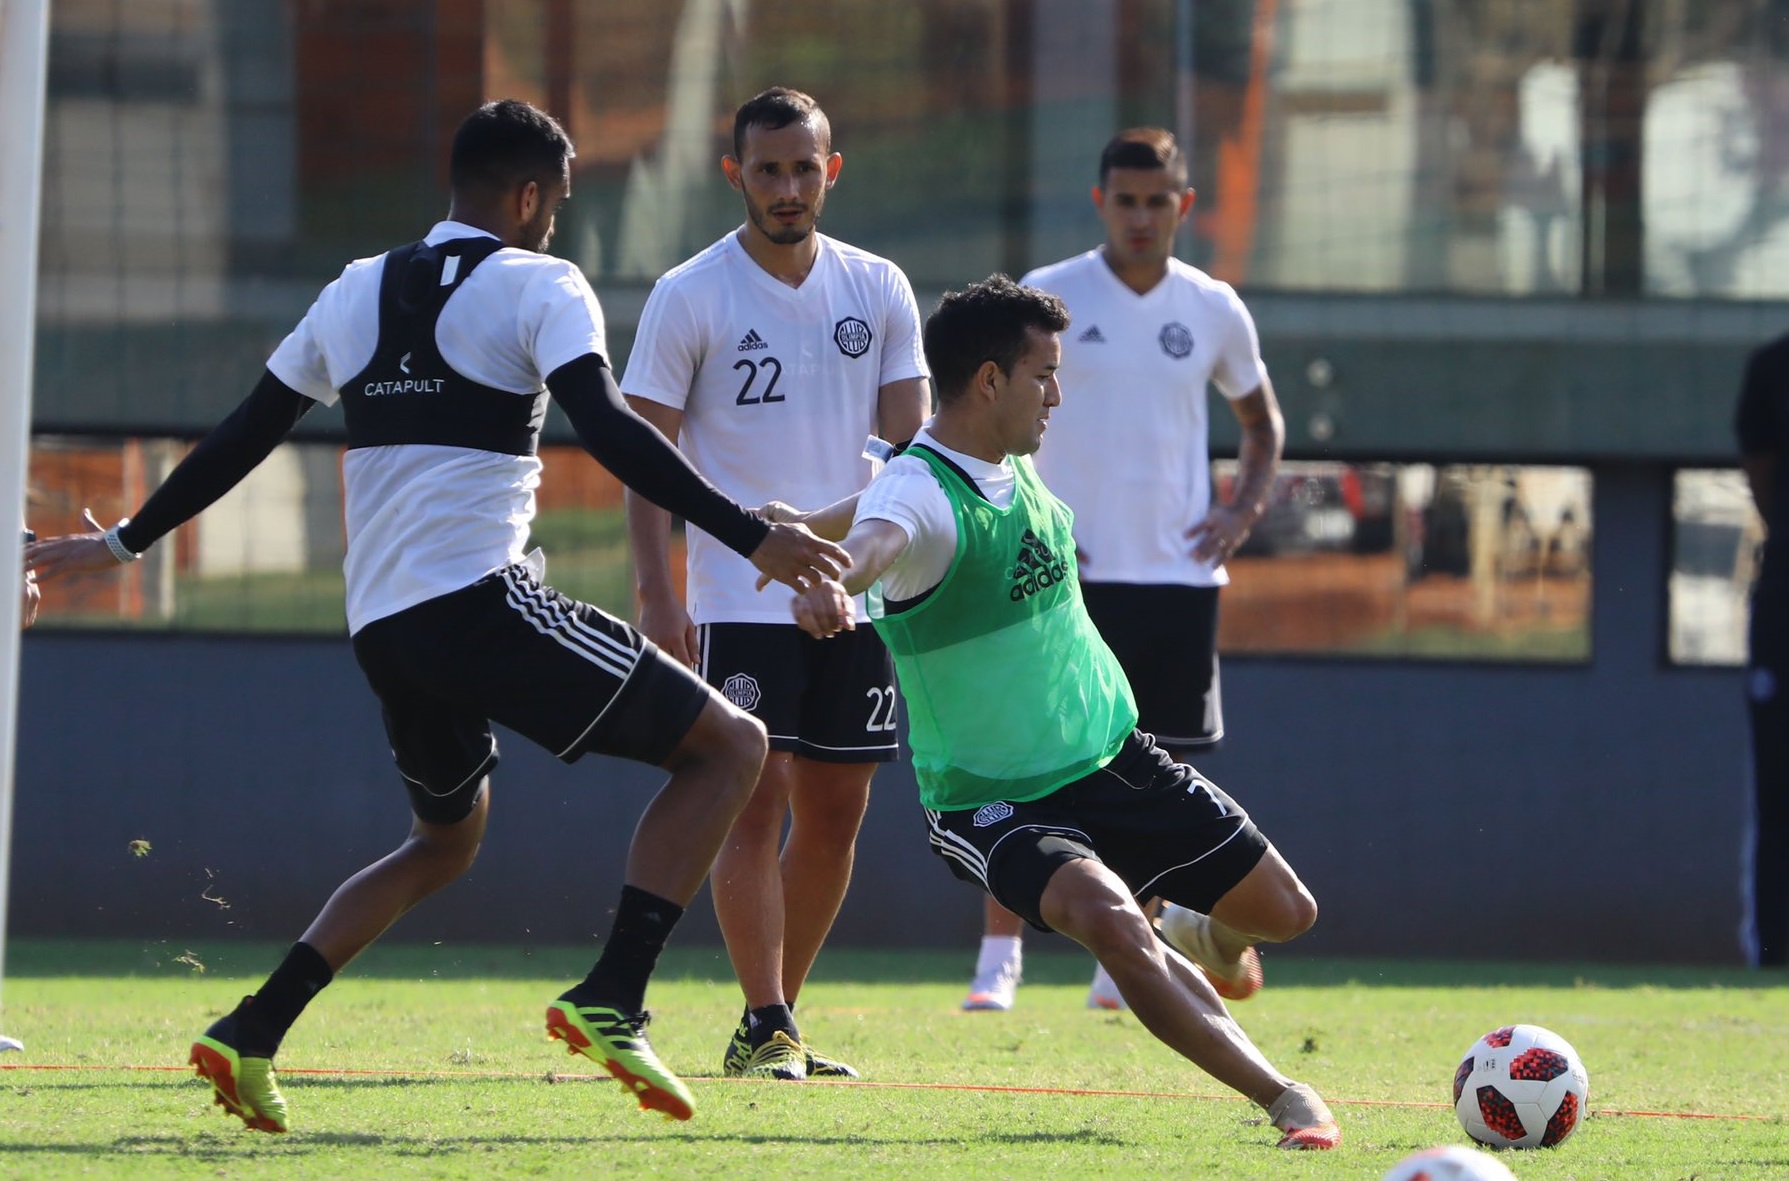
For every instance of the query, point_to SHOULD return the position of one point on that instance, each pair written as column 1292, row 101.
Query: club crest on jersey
column 852, row 336
column 1176, row 339
column 992, row 813
column 742, row 690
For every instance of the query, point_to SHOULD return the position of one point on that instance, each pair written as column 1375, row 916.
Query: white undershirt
column 908, row 494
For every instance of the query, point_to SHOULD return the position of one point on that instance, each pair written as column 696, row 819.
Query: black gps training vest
column 408, row 393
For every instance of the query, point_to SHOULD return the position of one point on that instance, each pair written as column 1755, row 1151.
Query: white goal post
column 24, row 54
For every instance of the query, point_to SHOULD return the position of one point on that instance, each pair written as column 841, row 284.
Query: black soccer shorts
column 1166, row 640
column 1159, row 825
column 566, row 675
column 831, row 700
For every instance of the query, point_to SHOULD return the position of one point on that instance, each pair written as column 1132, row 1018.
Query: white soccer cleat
column 1102, row 993
column 1189, row 932
column 993, row 991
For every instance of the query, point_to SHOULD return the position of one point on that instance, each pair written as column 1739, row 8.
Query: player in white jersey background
column 772, row 358
column 1129, row 452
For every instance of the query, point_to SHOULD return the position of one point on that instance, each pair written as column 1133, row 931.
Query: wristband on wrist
column 119, row 550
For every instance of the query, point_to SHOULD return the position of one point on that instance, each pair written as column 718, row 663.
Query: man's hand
column 33, row 597
column 664, row 621
column 74, row 553
column 778, row 513
column 795, row 557
column 824, row 610
column 1216, row 537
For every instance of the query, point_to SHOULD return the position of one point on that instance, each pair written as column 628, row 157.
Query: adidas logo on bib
column 751, row 340
column 1035, row 569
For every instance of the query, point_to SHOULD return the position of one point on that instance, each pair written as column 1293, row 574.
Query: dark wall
column 1589, row 812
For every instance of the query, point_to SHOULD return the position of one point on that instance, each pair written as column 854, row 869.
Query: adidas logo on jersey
column 751, row 340
column 1035, row 569
column 1092, row 336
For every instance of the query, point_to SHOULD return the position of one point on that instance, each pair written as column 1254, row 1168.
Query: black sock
column 643, row 921
column 263, row 1019
column 762, row 1022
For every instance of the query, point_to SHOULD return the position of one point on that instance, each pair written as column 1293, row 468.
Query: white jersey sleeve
column 1238, row 370
column 903, row 357
column 334, row 332
column 907, row 494
column 669, row 348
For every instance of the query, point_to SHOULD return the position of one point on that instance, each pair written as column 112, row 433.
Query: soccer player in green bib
column 1036, row 783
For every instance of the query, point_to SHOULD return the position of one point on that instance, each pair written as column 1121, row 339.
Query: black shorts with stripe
column 829, row 700
column 1158, row 824
column 1166, row 639
column 509, row 649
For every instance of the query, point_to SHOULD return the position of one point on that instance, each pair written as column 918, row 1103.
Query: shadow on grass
column 1048, row 961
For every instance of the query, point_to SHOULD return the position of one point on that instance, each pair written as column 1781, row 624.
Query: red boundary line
column 988, row 1088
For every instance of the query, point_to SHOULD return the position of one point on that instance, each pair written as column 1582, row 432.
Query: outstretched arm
column 233, row 449
column 825, row 609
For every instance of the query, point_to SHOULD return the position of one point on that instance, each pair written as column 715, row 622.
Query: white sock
column 998, row 951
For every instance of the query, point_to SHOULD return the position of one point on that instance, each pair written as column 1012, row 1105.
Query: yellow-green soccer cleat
column 619, row 1044
column 781, row 1057
column 820, row 1066
column 739, row 1051
column 244, row 1087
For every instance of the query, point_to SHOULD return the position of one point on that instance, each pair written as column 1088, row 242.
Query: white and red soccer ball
column 1452, row 1163
column 1521, row 1086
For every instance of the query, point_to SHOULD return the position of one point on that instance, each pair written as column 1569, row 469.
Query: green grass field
column 431, row 1061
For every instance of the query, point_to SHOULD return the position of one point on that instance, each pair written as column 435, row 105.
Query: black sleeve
column 643, row 459
column 231, row 451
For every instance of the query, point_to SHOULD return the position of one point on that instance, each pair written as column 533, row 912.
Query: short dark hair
column 776, row 108
column 504, row 145
column 1143, row 147
column 985, row 321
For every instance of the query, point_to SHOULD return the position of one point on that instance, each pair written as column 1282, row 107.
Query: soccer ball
column 1450, row 1164
column 1520, row 1087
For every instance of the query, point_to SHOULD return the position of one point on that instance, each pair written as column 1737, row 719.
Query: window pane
column 1473, row 562
column 1715, row 538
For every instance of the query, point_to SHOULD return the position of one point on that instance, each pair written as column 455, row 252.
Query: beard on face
column 780, row 234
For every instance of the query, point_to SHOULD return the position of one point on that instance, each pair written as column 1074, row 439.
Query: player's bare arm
column 1761, row 472
column 832, row 522
column 1227, row 525
column 660, row 614
column 825, row 609
column 902, row 408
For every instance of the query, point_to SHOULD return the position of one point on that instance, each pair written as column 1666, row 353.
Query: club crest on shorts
column 1176, row 339
column 852, row 336
column 992, row 813
column 742, row 690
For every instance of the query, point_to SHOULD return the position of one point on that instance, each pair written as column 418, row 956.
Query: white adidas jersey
column 778, row 386
column 1129, row 449
column 426, row 520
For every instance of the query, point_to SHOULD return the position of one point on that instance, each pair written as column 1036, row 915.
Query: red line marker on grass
column 985, row 1088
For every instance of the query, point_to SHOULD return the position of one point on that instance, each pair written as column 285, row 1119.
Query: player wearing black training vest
column 443, row 353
